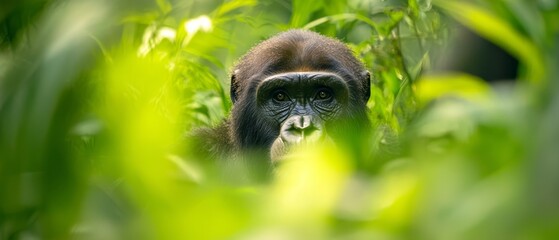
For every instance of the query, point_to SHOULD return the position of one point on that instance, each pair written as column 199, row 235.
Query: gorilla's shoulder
column 212, row 142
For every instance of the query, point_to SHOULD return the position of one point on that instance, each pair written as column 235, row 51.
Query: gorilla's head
column 295, row 87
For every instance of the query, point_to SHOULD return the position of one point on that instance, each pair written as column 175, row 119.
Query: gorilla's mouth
column 282, row 148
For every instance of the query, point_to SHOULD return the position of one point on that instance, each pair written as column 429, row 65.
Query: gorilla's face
column 296, row 87
column 298, row 104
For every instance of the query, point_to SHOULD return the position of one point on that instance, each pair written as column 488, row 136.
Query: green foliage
column 97, row 99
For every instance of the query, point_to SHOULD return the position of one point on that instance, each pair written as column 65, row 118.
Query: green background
column 96, row 98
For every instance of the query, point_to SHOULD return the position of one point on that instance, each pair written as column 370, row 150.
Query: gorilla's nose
column 300, row 128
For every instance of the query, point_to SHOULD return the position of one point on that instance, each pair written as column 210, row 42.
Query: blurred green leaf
column 98, row 101
column 302, row 11
column 502, row 33
column 431, row 87
column 337, row 18
column 164, row 5
column 233, row 5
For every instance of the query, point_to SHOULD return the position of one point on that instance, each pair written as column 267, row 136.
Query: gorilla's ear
column 234, row 86
column 366, row 76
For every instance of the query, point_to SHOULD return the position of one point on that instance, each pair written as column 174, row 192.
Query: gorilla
column 295, row 87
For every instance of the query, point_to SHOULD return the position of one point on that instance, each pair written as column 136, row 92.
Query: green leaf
column 430, row 87
column 339, row 18
column 501, row 33
column 164, row 5
column 230, row 6
column 302, row 10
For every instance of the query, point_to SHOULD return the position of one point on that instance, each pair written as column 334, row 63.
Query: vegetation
column 97, row 98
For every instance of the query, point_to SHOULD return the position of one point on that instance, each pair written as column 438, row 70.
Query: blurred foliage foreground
column 96, row 98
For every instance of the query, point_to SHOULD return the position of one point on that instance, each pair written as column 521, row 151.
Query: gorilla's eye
column 323, row 95
column 280, row 96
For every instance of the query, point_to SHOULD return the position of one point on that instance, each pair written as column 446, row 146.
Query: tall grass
column 97, row 99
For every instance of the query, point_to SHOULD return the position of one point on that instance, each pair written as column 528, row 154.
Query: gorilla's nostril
column 302, row 131
column 296, row 135
column 300, row 128
column 302, row 122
